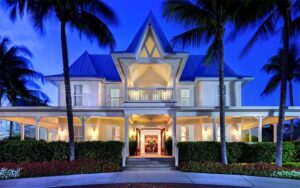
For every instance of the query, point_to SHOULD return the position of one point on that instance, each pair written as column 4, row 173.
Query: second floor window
column 115, row 97
column 185, row 96
column 78, row 95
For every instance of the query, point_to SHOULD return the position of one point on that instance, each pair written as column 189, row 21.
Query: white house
column 148, row 92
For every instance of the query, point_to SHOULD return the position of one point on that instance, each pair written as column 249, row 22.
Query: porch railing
column 150, row 94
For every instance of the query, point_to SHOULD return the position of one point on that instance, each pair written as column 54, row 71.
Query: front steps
column 157, row 164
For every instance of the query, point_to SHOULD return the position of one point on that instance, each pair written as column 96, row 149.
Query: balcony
column 150, row 94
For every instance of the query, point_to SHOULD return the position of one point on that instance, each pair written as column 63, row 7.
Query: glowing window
column 184, row 134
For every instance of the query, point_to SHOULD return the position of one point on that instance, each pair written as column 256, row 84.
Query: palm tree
column 17, row 78
column 205, row 21
column 87, row 17
column 293, row 74
column 275, row 14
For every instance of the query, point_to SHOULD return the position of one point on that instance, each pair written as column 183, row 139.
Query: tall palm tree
column 87, row 17
column 17, row 78
column 205, row 21
column 293, row 74
column 276, row 14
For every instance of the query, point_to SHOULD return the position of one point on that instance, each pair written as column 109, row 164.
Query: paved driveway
column 151, row 177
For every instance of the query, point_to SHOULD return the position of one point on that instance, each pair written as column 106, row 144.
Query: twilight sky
column 131, row 13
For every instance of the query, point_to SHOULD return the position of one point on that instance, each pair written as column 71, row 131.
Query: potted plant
column 168, row 146
column 132, row 146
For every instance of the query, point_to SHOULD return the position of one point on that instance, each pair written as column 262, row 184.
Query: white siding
column 190, row 87
column 90, row 92
column 207, row 93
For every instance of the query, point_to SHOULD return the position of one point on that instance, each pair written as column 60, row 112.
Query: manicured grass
column 251, row 169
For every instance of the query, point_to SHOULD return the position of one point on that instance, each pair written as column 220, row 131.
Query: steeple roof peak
column 150, row 21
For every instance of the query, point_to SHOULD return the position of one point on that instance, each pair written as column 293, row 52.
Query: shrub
column 297, row 148
column 9, row 173
column 132, row 146
column 198, row 151
column 168, row 146
column 292, row 164
column 251, row 169
column 237, row 152
column 263, row 152
column 51, row 168
column 38, row 151
column 286, row 174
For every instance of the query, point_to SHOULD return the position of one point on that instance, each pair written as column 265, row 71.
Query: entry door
column 150, row 142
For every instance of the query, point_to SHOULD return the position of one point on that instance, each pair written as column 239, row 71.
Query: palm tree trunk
column 68, row 91
column 220, row 34
column 291, row 104
column 283, row 80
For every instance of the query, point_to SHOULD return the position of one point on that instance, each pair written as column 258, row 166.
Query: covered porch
column 149, row 126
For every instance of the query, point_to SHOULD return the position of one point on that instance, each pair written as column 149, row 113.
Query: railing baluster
column 150, row 94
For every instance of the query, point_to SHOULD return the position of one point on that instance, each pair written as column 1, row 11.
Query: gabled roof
column 150, row 21
column 93, row 65
column 195, row 68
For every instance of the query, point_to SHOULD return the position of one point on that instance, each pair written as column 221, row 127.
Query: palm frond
column 193, row 37
column 93, row 27
column 265, row 30
column 272, row 85
column 212, row 53
column 295, row 26
column 187, row 14
column 98, row 8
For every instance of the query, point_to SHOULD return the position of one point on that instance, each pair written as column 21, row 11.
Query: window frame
column 78, row 95
column 115, row 100
column 186, row 137
column 185, row 98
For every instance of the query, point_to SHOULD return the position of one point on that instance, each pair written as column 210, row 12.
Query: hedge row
column 237, row 152
column 38, row 151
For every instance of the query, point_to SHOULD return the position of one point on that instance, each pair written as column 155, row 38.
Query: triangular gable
column 156, row 33
column 150, row 47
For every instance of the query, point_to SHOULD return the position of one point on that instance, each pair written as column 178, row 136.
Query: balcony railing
column 150, row 94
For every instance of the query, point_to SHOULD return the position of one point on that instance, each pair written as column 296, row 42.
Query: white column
column 215, row 128
column 174, row 82
column 260, row 124
column 37, row 128
column 126, row 81
column 250, row 135
column 83, row 121
column 125, row 152
column 174, row 140
column 274, row 133
column 22, row 131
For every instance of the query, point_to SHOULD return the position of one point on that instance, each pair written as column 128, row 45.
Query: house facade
column 149, row 93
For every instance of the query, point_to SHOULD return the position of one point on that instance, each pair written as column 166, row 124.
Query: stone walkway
column 164, row 176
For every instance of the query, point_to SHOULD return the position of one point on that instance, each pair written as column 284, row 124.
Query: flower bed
column 251, row 169
column 51, row 168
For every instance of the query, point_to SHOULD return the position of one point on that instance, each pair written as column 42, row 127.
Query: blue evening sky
column 131, row 13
